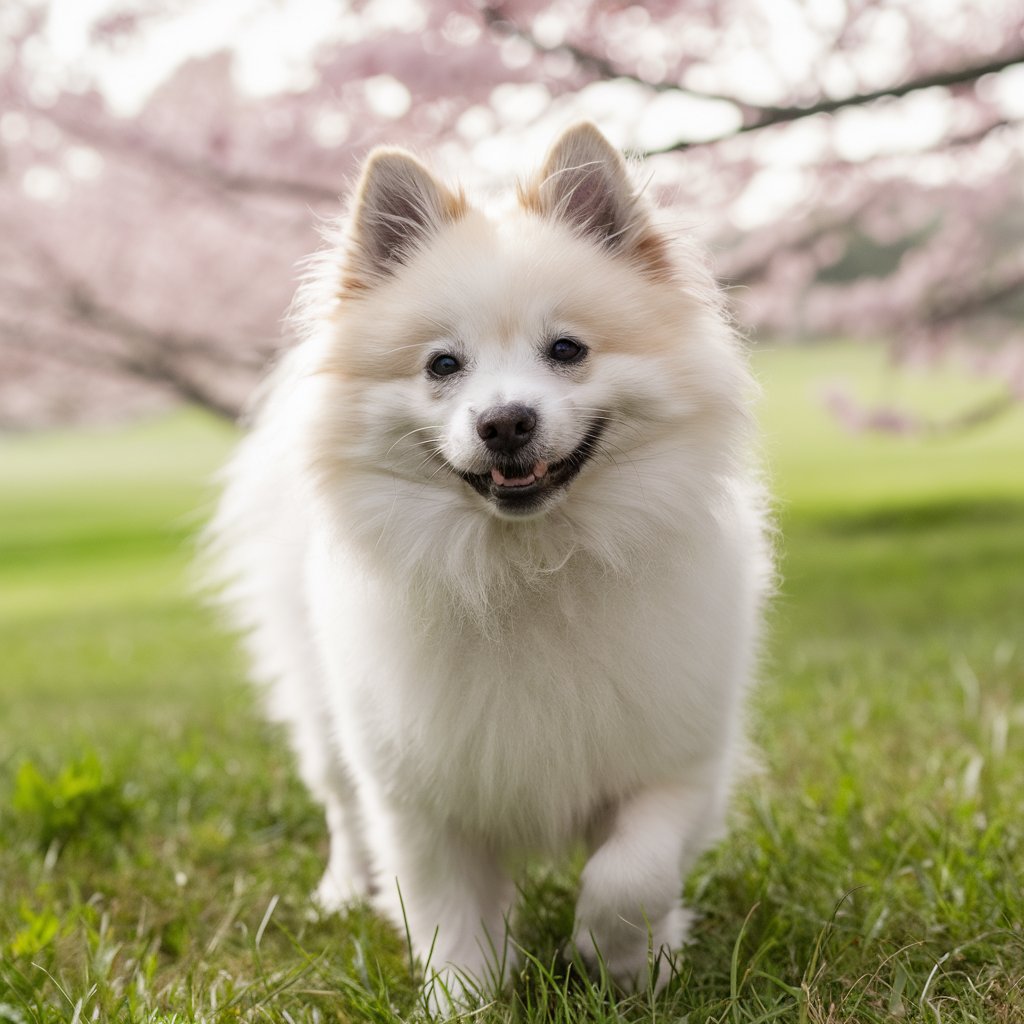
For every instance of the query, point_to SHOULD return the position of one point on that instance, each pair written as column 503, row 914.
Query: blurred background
column 856, row 170
column 855, row 166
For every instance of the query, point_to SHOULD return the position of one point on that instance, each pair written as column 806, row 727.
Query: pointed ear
column 584, row 182
column 398, row 206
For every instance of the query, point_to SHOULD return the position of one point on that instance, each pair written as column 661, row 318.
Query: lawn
column 157, row 850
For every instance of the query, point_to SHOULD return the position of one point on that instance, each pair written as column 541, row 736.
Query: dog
column 498, row 543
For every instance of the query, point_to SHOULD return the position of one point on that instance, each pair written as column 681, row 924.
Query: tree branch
column 78, row 303
column 165, row 159
column 975, row 301
column 155, row 355
column 977, row 416
column 764, row 117
column 755, row 116
column 776, row 115
column 150, row 367
column 601, row 66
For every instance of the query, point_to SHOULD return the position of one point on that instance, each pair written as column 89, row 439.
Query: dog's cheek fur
column 503, row 286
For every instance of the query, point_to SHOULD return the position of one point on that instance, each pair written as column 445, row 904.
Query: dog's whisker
column 431, row 456
column 409, row 433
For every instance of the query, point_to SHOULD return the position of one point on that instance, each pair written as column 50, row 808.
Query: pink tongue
column 518, row 481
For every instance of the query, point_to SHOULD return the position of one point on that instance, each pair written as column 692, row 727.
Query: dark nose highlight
column 506, row 428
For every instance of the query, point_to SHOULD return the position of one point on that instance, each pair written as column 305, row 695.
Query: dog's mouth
column 522, row 487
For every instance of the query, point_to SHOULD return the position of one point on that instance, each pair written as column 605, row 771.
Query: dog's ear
column 398, row 206
column 585, row 183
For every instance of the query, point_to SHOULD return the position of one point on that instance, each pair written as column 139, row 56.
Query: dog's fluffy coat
column 470, row 671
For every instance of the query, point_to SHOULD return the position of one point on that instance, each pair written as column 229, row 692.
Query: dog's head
column 514, row 364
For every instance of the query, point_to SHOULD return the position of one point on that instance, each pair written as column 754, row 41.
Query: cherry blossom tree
column 855, row 166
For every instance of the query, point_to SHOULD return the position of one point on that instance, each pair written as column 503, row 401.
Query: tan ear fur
column 585, row 183
column 399, row 204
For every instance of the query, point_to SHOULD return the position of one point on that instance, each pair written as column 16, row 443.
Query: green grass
column 157, row 850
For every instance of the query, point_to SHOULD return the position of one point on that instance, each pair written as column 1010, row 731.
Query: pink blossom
column 150, row 256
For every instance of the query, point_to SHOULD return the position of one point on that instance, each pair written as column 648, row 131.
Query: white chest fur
column 522, row 726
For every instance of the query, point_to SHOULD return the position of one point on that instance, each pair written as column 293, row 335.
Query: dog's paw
column 336, row 892
column 465, row 979
column 633, row 956
column 449, row 993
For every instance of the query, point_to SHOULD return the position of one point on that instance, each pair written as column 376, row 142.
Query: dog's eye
column 444, row 365
column 566, row 350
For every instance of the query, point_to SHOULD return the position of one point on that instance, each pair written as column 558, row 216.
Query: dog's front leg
column 452, row 899
column 629, row 913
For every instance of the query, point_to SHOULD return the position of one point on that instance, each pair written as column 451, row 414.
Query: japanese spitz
column 499, row 549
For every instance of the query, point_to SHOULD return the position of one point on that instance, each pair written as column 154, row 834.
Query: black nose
column 506, row 428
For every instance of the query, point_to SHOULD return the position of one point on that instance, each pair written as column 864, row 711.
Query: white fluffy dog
column 500, row 553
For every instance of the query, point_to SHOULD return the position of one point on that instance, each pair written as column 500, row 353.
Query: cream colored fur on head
column 498, row 547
